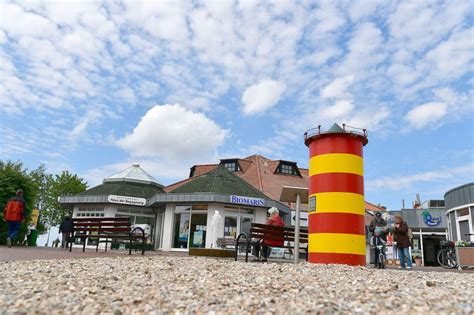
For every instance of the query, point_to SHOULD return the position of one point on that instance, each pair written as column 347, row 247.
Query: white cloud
column 425, row 114
column 338, row 88
column 90, row 117
column 400, row 182
column 262, row 96
column 173, row 132
column 340, row 109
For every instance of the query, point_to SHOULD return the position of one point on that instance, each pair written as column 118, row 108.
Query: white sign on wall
column 303, row 218
column 259, row 202
column 126, row 200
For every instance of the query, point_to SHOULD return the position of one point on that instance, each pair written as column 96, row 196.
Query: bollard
column 336, row 196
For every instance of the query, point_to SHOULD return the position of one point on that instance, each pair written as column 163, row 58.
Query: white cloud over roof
column 259, row 97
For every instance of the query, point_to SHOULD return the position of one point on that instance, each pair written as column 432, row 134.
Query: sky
column 93, row 87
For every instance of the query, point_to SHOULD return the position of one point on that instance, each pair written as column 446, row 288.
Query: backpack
column 14, row 211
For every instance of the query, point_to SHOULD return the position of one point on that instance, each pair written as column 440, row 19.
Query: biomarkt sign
column 259, row 202
column 126, row 200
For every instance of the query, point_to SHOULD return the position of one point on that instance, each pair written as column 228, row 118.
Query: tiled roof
column 123, row 188
column 259, row 172
column 220, row 180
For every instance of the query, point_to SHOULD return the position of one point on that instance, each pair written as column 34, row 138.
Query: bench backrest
column 277, row 233
column 102, row 225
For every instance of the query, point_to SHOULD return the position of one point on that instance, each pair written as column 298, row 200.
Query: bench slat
column 104, row 219
column 91, row 229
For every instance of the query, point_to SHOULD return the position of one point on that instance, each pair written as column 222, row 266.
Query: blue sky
column 93, row 87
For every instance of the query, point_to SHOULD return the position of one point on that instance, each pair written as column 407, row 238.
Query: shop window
column 230, row 227
column 197, row 236
column 181, row 230
column 200, row 207
column 288, row 168
column 463, row 212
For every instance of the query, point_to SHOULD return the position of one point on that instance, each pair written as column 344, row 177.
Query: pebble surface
column 198, row 285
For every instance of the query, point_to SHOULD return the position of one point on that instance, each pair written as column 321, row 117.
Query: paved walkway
column 35, row 253
column 46, row 253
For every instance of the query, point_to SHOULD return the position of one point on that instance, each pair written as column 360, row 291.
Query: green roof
column 124, row 188
column 221, row 181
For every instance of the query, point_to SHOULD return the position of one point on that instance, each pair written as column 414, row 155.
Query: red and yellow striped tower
column 336, row 195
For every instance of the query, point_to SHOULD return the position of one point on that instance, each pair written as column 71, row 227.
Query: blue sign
column 429, row 220
column 259, row 202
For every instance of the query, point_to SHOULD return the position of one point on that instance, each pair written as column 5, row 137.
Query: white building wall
column 260, row 215
column 167, row 242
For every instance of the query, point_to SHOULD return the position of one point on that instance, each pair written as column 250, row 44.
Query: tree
column 60, row 185
column 14, row 176
column 43, row 180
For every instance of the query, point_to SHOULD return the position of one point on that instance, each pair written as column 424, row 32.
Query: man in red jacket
column 266, row 247
column 14, row 216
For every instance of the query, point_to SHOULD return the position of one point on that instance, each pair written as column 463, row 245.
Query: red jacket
column 276, row 221
column 14, row 209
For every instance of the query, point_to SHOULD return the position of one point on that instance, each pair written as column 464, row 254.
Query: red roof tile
column 259, row 172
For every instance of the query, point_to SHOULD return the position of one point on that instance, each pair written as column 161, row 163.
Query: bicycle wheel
column 443, row 260
column 451, row 258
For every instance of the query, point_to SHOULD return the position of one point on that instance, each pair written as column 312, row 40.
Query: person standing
column 403, row 242
column 265, row 246
column 65, row 229
column 14, row 216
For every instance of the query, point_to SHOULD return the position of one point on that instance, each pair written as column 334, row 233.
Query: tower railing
column 346, row 128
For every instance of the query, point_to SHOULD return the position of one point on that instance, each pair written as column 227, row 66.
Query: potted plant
column 417, row 258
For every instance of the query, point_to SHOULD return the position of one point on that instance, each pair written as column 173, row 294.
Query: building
column 429, row 228
column 179, row 216
column 460, row 212
column 124, row 194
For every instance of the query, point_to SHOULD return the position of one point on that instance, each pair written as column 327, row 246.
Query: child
column 377, row 240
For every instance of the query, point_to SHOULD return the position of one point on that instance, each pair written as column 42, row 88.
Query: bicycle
column 447, row 255
column 382, row 258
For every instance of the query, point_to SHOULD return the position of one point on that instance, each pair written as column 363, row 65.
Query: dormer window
column 192, row 171
column 288, row 168
column 231, row 165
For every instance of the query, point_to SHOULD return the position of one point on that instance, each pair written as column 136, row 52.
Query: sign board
column 126, row 200
column 34, row 219
column 312, row 204
column 259, row 202
column 303, row 218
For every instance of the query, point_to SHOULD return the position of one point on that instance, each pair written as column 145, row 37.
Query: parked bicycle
column 447, row 255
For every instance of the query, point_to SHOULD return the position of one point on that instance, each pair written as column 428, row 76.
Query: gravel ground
column 182, row 285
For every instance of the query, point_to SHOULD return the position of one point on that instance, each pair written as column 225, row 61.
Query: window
column 231, row 165
column 289, row 168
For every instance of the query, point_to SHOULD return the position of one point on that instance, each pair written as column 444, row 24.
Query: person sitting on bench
column 263, row 249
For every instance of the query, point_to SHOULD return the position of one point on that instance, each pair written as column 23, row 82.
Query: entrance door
column 197, row 237
column 431, row 246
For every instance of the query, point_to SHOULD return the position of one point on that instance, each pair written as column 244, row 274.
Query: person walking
column 264, row 247
column 13, row 215
column 403, row 242
column 65, row 228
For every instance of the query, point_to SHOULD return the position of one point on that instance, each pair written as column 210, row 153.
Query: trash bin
column 32, row 238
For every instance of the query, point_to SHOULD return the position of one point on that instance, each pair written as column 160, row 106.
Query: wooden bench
column 260, row 232
column 107, row 230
